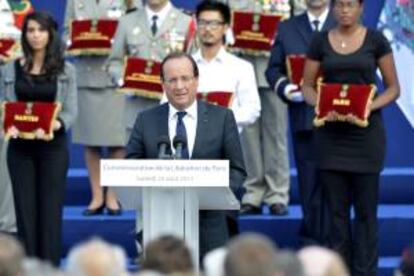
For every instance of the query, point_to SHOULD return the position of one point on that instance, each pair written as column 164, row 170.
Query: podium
column 173, row 192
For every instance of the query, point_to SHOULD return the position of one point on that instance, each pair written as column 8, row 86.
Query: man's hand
column 293, row 94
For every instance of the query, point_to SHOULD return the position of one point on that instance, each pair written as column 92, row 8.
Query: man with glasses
column 216, row 136
column 293, row 38
column 222, row 71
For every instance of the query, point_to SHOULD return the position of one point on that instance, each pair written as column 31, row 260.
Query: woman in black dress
column 37, row 167
column 350, row 157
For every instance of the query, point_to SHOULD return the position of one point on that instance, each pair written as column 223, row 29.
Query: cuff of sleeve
column 280, row 89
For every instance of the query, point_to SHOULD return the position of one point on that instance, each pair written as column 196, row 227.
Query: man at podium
column 201, row 131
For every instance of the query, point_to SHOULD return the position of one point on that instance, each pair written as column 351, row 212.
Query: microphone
column 163, row 146
column 179, row 142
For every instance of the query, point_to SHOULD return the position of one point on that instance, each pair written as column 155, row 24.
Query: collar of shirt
column 191, row 111
column 321, row 18
column 162, row 14
column 220, row 57
column 190, row 122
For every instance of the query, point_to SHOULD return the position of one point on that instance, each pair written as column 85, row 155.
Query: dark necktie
column 154, row 26
column 316, row 25
column 181, row 131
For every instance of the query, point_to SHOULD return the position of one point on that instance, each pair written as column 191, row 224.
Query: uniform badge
column 176, row 41
column 136, row 31
column 115, row 10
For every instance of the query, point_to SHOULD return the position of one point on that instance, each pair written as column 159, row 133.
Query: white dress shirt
column 190, row 122
column 321, row 19
column 229, row 73
column 161, row 15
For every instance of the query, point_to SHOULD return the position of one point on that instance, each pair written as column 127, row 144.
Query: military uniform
column 100, row 120
column 134, row 38
column 265, row 142
column 7, row 216
column 8, row 29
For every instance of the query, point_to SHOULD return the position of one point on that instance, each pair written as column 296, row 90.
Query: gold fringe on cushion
column 141, row 92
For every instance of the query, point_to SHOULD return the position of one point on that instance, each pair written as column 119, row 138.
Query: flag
column 20, row 9
column 397, row 23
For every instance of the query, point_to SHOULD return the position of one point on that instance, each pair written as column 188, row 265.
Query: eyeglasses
column 346, row 5
column 213, row 24
column 183, row 79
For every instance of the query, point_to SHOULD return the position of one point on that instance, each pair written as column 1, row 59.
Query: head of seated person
column 251, row 254
column 168, row 255
column 97, row 257
column 11, row 256
column 320, row 261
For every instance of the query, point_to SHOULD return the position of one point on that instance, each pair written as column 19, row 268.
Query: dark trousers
column 314, row 226
column 358, row 242
column 38, row 175
column 213, row 231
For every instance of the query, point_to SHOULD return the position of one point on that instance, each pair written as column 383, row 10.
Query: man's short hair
column 219, row 7
column 11, row 256
column 96, row 257
column 168, row 254
column 251, row 254
column 179, row 55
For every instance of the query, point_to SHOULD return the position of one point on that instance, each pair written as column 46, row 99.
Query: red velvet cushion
column 221, row 98
column 6, row 47
column 91, row 37
column 253, row 32
column 295, row 65
column 344, row 99
column 142, row 77
column 28, row 117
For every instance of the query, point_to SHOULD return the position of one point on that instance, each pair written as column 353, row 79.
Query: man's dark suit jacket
column 294, row 37
column 216, row 138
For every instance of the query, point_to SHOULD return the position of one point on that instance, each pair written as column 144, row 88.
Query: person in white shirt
column 222, row 71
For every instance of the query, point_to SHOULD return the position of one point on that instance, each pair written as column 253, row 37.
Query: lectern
column 173, row 192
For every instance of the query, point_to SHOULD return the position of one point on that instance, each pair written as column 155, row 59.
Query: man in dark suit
column 293, row 38
column 210, row 132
